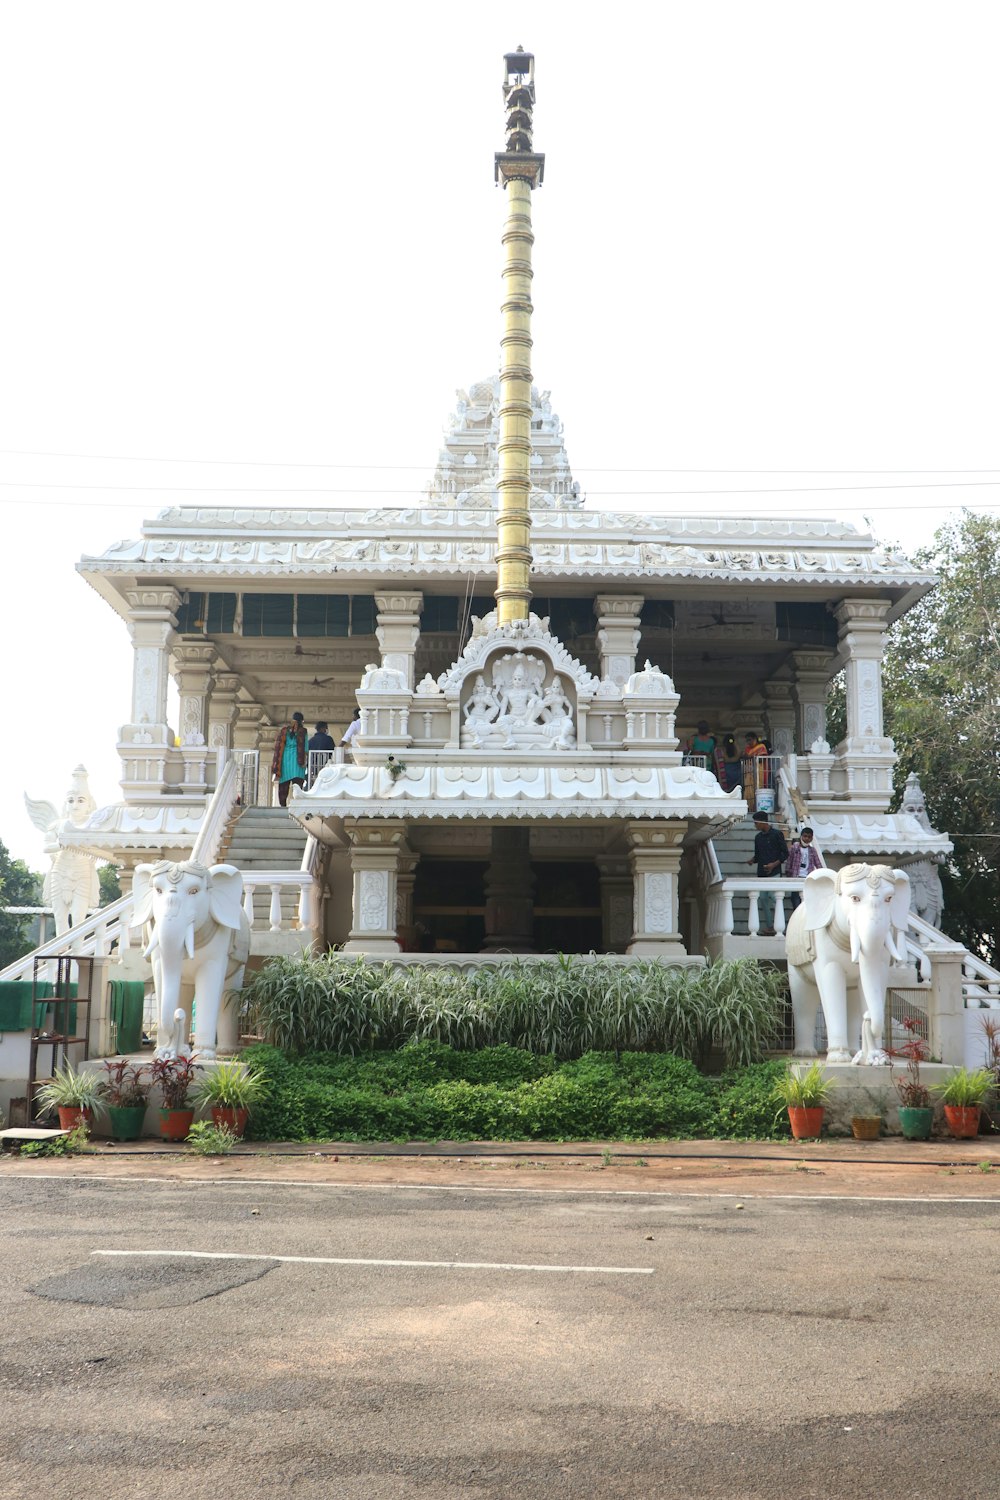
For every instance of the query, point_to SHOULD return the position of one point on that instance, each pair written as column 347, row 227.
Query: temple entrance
column 449, row 906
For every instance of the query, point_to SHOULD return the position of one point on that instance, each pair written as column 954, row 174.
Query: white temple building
column 528, row 672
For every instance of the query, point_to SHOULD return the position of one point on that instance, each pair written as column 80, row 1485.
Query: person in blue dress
column 290, row 761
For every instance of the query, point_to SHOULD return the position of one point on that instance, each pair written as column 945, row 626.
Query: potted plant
column 174, row 1077
column 75, row 1096
column 866, row 1125
column 962, row 1096
column 230, row 1091
column 916, row 1113
column 126, row 1088
column 804, row 1096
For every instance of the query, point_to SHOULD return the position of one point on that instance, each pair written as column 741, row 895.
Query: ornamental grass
column 562, row 1008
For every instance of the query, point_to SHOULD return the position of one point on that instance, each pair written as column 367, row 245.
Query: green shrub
column 561, row 1008
column 745, row 1107
column 427, row 1091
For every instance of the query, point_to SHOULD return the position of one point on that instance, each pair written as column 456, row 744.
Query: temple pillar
column 145, row 741
column 377, row 848
column 398, row 631
column 865, row 758
column 810, row 690
column 618, row 634
column 406, row 879
column 655, row 859
column 510, row 893
column 780, row 717
column 193, row 661
column 222, row 711
column 616, row 904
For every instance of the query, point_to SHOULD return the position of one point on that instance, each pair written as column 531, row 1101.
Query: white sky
column 269, row 234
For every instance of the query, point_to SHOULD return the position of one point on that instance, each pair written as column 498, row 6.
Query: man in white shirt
column 353, row 728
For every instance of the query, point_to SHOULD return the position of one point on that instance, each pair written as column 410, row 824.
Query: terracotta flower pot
column 175, row 1123
column 962, row 1120
column 806, row 1123
column 866, row 1127
column 234, row 1119
column 70, row 1116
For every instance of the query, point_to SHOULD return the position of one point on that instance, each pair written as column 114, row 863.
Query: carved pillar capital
column 618, row 634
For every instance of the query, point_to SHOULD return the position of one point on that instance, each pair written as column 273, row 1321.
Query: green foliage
column 73, row 1143
column 428, row 1091
column 746, row 1104
column 71, row 1090
column 207, row 1139
column 230, row 1085
column 563, row 1007
column 806, row 1090
column 966, row 1087
column 111, row 890
column 942, row 699
column 19, row 886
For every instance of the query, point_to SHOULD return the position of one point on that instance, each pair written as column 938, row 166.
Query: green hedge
column 429, row 1091
column 563, row 1007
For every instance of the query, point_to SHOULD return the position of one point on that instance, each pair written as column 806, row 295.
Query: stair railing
column 216, row 820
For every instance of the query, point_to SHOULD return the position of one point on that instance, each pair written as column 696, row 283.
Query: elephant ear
column 142, row 894
column 900, row 906
column 225, row 895
column 818, row 894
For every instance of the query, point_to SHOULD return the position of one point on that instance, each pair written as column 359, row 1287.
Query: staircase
column 733, row 849
column 265, row 838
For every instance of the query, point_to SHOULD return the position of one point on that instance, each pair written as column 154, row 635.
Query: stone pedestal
column 655, row 858
column 510, row 893
column 376, row 850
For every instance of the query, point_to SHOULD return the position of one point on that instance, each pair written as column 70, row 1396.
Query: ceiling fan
column 718, row 618
column 298, row 651
column 319, row 682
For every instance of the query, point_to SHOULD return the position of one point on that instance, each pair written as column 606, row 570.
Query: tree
column 110, row 888
column 942, row 701
column 19, row 886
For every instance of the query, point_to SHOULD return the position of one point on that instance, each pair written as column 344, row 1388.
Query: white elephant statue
column 840, row 943
column 198, row 941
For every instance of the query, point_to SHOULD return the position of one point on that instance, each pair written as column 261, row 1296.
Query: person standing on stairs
column 803, row 858
column 769, row 853
column 290, row 761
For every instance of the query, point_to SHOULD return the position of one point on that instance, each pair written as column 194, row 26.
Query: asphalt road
column 787, row 1349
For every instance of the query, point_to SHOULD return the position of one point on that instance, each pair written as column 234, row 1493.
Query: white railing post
column 248, row 901
column 274, row 915
column 753, row 915
column 779, row 913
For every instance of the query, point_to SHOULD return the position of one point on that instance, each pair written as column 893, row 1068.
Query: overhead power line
column 243, row 489
column 424, row 465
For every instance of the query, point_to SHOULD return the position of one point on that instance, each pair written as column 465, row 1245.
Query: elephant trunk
column 872, row 983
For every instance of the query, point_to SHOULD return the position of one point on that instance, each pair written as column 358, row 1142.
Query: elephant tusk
column 152, row 945
column 895, row 951
column 189, row 941
column 855, row 945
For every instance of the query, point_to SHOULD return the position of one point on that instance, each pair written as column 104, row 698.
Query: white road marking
column 343, row 1260
column 466, row 1189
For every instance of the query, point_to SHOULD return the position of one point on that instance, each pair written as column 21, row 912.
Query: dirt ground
column 882, row 1169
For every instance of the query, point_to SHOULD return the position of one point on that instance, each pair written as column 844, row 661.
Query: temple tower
column 519, row 169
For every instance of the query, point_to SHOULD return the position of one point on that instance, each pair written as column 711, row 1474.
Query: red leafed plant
column 175, row 1075
column 912, row 1093
column 125, row 1086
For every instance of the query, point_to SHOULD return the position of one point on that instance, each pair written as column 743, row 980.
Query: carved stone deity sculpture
column 516, row 711
column 71, row 887
column 926, row 891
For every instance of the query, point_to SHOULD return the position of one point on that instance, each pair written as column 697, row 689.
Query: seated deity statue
column 480, row 712
column 520, row 703
column 557, row 716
